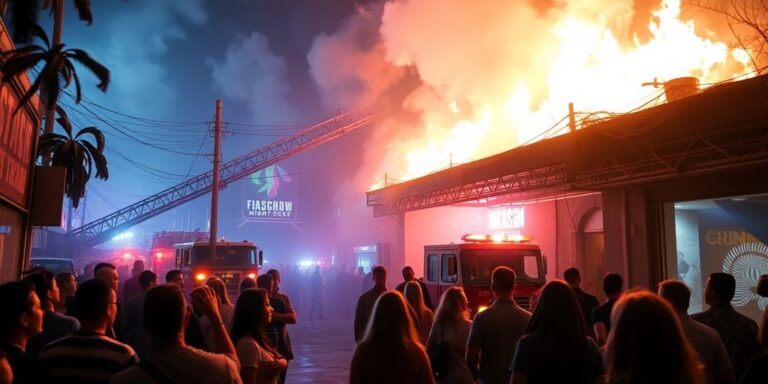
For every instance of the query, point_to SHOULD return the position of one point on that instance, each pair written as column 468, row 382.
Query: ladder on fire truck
column 105, row 228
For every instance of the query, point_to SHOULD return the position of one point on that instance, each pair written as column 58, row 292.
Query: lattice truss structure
column 105, row 228
column 724, row 128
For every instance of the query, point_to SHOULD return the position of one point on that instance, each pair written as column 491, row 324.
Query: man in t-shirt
column 133, row 316
column 282, row 315
column 587, row 302
column 89, row 355
column 408, row 276
column 704, row 339
column 171, row 360
column 495, row 331
column 601, row 316
column 131, row 286
column 738, row 332
column 367, row 300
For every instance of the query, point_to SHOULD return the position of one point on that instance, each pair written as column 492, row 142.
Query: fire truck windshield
column 231, row 256
column 478, row 264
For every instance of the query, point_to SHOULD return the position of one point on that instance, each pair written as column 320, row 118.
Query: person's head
column 267, row 283
column 762, row 286
column 453, row 306
column 573, row 277
column 503, row 281
column 612, row 285
column 138, row 267
column 67, row 283
column 21, row 315
column 108, row 273
column 391, row 325
column 379, row 275
column 165, row 312
column 414, row 298
column 45, row 287
column 720, row 289
column 252, row 314
column 408, row 273
column 220, row 289
column 174, row 276
column 96, row 302
column 275, row 276
column 676, row 293
column 6, row 373
column 360, row 270
column 147, row 280
column 247, row 283
column 647, row 344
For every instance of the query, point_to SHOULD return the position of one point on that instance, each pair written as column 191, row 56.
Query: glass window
column 449, row 270
column 10, row 243
column 233, row 256
column 721, row 235
column 432, row 268
column 478, row 264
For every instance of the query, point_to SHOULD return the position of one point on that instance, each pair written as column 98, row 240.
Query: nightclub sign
column 16, row 135
column 270, row 195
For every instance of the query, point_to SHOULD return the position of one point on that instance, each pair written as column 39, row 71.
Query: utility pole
column 216, row 177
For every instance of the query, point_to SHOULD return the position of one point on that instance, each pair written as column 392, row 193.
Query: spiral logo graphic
column 746, row 262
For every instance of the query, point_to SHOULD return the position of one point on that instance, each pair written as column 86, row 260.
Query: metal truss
column 723, row 149
column 104, row 229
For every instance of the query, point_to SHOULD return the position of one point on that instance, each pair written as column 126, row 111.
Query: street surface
column 322, row 350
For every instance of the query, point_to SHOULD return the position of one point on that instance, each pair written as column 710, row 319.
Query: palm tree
column 58, row 67
column 23, row 15
column 78, row 155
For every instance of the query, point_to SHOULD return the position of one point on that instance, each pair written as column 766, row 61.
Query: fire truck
column 232, row 262
column 469, row 264
column 162, row 254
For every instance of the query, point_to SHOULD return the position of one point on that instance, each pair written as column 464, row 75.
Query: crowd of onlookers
column 636, row 336
column 90, row 329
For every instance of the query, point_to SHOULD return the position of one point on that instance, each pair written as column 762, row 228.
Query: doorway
column 591, row 252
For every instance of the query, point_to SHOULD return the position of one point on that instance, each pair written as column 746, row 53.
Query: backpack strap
column 154, row 372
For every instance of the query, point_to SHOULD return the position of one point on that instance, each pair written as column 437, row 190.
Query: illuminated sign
column 270, row 195
column 503, row 218
column 16, row 134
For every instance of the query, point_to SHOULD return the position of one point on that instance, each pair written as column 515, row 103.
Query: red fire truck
column 162, row 257
column 469, row 264
column 232, row 262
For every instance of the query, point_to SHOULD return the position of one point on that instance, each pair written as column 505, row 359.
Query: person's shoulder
column 745, row 321
column 131, row 375
column 61, row 318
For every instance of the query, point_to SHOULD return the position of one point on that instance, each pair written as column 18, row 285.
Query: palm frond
column 99, row 161
column 23, row 17
column 97, row 134
column 84, row 10
column 63, row 120
column 101, row 72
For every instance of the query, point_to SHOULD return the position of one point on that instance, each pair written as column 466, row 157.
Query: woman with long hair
column 451, row 327
column 555, row 347
column 259, row 361
column 415, row 299
column 390, row 350
column 225, row 308
column 647, row 344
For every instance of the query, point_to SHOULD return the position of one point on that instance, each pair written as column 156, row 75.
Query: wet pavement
column 322, row 349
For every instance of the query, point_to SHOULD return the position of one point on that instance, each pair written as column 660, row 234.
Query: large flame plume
column 492, row 75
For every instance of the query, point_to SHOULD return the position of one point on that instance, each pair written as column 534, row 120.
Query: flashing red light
column 476, row 238
column 159, row 255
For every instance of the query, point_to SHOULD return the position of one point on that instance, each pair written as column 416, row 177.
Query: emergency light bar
column 476, row 238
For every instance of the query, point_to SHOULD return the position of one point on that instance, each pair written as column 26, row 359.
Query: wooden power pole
column 216, row 178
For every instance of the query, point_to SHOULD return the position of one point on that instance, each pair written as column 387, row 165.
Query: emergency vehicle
column 232, row 262
column 469, row 265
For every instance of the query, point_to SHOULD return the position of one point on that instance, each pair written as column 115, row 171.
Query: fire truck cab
column 233, row 262
column 469, row 264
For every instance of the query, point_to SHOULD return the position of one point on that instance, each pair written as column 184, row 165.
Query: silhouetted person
column 67, row 287
column 409, row 275
column 259, row 360
column 226, row 308
column 762, row 290
column 6, row 373
column 390, row 351
column 555, row 347
column 133, row 316
column 366, row 301
column 705, row 340
column 451, row 327
column 108, row 273
column 283, row 314
column 647, row 344
column 87, row 273
column 172, row 360
column 317, row 295
column 601, row 315
column 587, row 302
column 193, row 333
column 246, row 283
column 495, row 331
column 89, row 355
column 132, row 286
column 21, row 318
column 424, row 315
column 738, row 332
column 55, row 325
column 267, row 283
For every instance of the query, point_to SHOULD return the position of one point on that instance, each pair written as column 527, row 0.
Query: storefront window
column 10, row 243
column 722, row 235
